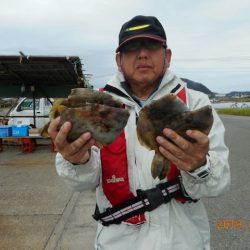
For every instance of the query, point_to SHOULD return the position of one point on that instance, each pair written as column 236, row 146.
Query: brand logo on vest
column 115, row 179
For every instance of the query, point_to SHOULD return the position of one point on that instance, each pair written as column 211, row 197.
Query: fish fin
column 160, row 166
column 44, row 130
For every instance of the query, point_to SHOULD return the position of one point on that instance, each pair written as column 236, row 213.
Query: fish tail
column 44, row 130
column 160, row 166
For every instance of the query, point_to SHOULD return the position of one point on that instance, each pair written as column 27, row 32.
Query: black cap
column 141, row 27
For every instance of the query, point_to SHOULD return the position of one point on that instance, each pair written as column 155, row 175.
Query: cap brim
column 157, row 38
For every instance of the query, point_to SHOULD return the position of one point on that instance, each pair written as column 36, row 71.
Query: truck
column 25, row 114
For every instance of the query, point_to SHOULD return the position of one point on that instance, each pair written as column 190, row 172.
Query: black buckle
column 168, row 196
column 96, row 214
column 154, row 196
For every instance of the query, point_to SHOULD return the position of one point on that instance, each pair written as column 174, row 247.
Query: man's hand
column 185, row 155
column 77, row 152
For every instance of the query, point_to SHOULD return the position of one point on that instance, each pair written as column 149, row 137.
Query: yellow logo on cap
column 138, row 27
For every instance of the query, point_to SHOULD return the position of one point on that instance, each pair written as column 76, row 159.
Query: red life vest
column 115, row 180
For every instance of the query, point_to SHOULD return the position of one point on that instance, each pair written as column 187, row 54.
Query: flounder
column 169, row 112
column 91, row 111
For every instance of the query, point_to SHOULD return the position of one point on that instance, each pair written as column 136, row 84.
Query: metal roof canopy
column 39, row 76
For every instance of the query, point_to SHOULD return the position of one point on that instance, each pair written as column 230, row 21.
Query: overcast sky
column 210, row 39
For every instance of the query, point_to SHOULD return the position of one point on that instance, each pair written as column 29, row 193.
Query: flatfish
column 169, row 112
column 91, row 111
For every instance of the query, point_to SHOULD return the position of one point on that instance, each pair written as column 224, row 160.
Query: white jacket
column 173, row 226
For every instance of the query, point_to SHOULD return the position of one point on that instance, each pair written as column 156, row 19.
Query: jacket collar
column 168, row 83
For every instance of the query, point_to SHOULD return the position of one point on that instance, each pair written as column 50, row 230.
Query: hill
column 238, row 94
column 198, row 86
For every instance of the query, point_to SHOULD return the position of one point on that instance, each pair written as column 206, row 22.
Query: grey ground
column 38, row 211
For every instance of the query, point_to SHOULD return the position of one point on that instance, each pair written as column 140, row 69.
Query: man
column 147, row 213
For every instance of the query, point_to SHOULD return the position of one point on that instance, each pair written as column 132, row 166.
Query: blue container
column 22, row 130
column 5, row 131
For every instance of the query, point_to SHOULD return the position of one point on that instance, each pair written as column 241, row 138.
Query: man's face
column 143, row 61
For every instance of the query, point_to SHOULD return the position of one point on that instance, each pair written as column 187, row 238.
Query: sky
column 209, row 39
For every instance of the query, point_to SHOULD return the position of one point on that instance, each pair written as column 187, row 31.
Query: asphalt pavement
column 229, row 215
column 38, row 211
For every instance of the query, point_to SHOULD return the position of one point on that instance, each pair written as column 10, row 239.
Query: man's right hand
column 77, row 152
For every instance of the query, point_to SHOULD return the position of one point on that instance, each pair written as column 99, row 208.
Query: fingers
column 184, row 154
column 53, row 127
column 79, row 155
column 61, row 137
column 76, row 152
column 170, row 149
column 179, row 141
column 171, row 157
column 83, row 143
column 98, row 144
column 198, row 136
column 182, row 143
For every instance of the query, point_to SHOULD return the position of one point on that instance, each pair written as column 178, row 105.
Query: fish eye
column 189, row 119
column 104, row 113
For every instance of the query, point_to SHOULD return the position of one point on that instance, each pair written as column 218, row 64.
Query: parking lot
column 38, row 211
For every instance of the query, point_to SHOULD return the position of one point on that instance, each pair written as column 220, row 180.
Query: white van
column 23, row 113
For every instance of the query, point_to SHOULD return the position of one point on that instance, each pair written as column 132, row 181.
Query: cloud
column 195, row 30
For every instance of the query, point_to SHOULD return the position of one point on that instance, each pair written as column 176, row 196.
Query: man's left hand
column 185, row 155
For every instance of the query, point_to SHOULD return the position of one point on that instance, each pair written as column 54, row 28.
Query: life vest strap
column 146, row 200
